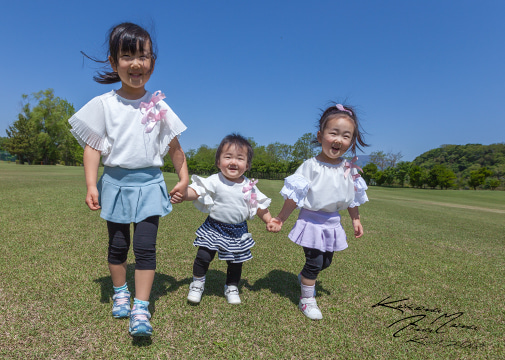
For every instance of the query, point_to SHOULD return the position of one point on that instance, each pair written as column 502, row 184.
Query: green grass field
column 426, row 281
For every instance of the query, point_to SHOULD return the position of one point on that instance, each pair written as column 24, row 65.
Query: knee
column 326, row 263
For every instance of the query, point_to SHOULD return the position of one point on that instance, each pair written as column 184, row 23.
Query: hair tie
column 342, row 108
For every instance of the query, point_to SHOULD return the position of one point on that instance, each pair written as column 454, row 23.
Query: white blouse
column 319, row 186
column 227, row 201
column 114, row 126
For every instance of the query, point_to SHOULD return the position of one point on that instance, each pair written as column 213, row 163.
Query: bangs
column 130, row 43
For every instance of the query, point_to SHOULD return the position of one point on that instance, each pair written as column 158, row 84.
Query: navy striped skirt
column 233, row 242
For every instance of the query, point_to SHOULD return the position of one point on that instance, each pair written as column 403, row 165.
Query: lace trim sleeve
column 205, row 201
column 295, row 188
column 360, row 196
column 172, row 127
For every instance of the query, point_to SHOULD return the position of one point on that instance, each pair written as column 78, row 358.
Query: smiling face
column 134, row 70
column 233, row 162
column 335, row 139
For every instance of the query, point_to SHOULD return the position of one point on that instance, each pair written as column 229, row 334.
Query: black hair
column 338, row 110
column 239, row 141
column 124, row 38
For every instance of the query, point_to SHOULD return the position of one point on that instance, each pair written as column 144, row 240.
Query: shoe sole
column 121, row 316
column 194, row 300
column 140, row 332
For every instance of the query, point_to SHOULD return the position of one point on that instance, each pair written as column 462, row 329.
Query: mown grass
column 443, row 250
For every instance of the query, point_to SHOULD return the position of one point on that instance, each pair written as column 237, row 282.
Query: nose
column 136, row 62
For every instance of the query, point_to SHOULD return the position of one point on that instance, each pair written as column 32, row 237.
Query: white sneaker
column 196, row 291
column 309, row 308
column 231, row 294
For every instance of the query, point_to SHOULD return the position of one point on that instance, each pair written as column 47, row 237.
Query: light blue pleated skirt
column 127, row 195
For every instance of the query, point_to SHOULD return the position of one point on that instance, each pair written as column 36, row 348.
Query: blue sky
column 421, row 73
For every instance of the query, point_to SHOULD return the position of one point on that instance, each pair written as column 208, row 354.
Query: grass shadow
column 163, row 284
column 282, row 283
column 141, row 341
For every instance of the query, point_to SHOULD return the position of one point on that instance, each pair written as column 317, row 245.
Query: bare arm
column 190, row 195
column 91, row 160
column 178, row 157
column 356, row 221
column 264, row 215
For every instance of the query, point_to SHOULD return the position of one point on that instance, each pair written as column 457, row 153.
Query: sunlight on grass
column 427, row 247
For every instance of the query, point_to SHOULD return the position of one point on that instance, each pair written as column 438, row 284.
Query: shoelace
column 139, row 317
column 121, row 300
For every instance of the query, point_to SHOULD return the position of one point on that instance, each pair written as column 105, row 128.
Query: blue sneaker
column 139, row 321
column 300, row 283
column 121, row 306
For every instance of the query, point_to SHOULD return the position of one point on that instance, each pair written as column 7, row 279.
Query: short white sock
column 308, row 291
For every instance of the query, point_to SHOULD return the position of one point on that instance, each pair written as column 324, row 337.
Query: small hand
column 274, row 225
column 92, row 199
column 178, row 193
column 358, row 228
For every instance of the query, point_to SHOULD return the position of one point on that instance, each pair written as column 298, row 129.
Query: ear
column 319, row 137
column 112, row 64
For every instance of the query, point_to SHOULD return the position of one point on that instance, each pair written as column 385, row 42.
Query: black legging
column 144, row 243
column 202, row 261
column 315, row 262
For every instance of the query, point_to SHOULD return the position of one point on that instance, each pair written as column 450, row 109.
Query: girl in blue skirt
column 321, row 187
column 230, row 199
column 131, row 130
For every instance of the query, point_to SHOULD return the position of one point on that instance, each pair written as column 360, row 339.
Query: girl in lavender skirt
column 321, row 187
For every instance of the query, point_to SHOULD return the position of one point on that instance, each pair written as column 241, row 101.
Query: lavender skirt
column 319, row 230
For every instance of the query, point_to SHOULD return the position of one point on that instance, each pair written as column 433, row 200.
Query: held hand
column 274, row 225
column 92, row 198
column 358, row 228
column 178, row 193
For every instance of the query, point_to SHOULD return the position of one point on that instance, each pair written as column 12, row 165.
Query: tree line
column 41, row 135
column 471, row 166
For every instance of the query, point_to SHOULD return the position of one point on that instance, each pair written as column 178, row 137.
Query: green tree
column 379, row 158
column 493, row 183
column 369, row 171
column 441, row 176
column 478, row 177
column 42, row 133
column 280, row 152
column 402, row 171
column 417, row 176
column 21, row 136
column 304, row 148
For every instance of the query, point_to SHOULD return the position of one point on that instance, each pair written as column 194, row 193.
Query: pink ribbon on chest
column 349, row 165
column 250, row 194
column 151, row 116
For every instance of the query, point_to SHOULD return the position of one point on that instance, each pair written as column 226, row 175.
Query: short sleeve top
column 114, row 126
column 319, row 186
column 227, row 201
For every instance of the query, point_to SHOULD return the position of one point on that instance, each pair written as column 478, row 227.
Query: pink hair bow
column 342, row 108
column 349, row 165
column 250, row 194
column 151, row 117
